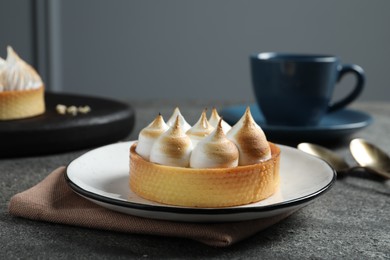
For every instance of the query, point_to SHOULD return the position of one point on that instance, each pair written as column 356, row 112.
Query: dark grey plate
column 108, row 121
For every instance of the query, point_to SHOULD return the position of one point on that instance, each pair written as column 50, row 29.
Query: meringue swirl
column 200, row 130
column 16, row 74
column 149, row 135
column 204, row 146
column 2, row 74
column 183, row 123
column 250, row 140
column 172, row 148
column 214, row 120
column 215, row 151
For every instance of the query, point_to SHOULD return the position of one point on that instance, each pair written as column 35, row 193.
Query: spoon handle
column 349, row 170
column 378, row 172
column 363, row 168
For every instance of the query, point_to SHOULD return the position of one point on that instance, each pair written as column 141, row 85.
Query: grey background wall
column 143, row 49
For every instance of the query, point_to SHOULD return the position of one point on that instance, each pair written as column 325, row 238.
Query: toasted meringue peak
column 183, row 123
column 17, row 74
column 215, row 151
column 214, row 119
column 149, row 135
column 250, row 140
column 2, row 74
column 200, row 130
column 172, row 148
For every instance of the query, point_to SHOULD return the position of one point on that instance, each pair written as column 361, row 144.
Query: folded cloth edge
column 52, row 200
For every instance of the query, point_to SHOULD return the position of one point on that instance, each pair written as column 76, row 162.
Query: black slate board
column 108, row 121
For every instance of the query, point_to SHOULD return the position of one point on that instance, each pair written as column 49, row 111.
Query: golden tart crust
column 211, row 188
column 18, row 104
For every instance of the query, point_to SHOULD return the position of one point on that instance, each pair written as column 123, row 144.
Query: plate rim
column 194, row 210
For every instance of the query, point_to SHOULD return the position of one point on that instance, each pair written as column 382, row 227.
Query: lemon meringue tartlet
column 220, row 170
column 21, row 89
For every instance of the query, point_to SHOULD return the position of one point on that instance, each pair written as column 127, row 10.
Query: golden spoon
column 333, row 159
column 370, row 157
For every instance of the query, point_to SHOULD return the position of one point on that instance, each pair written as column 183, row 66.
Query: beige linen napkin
column 53, row 200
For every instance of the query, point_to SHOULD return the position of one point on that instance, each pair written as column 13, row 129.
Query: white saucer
column 101, row 176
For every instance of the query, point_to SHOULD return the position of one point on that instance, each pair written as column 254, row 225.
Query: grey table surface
column 351, row 221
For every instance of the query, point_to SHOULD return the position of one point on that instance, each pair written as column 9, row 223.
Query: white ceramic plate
column 101, row 176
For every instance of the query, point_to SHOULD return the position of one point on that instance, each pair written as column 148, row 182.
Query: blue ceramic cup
column 296, row 90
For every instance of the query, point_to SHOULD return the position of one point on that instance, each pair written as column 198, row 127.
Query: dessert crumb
column 84, row 109
column 72, row 110
column 61, row 109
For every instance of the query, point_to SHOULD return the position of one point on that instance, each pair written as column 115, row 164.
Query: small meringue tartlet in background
column 21, row 88
column 217, row 170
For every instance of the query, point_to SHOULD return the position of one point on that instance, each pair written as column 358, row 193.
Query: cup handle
column 360, row 77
